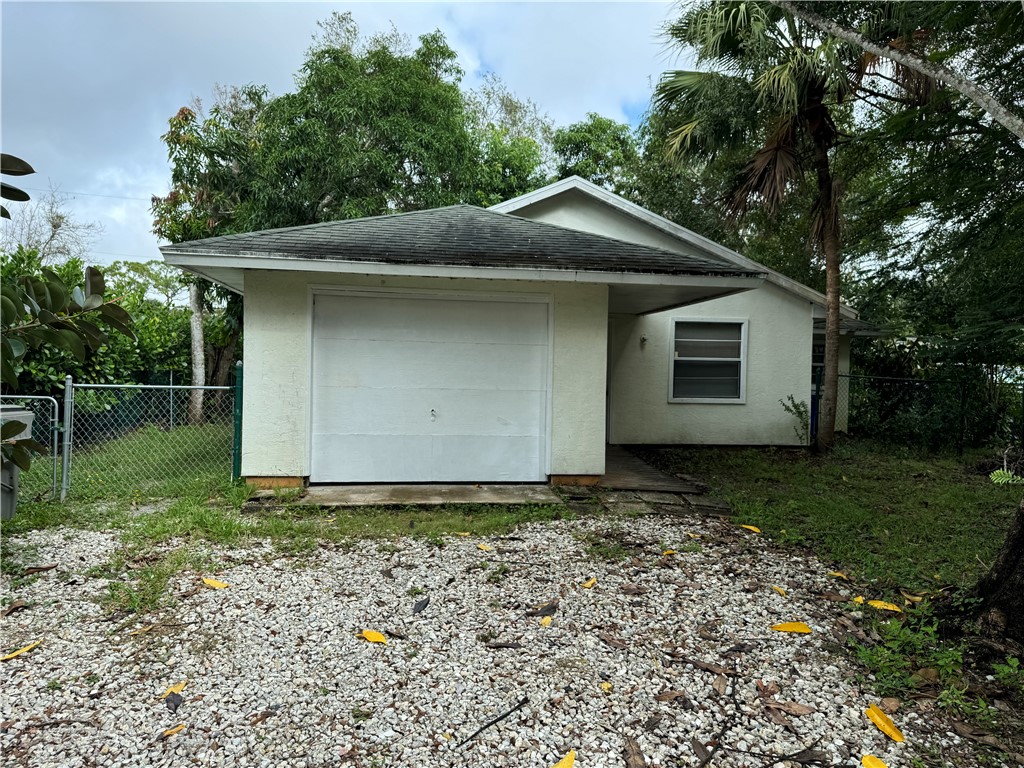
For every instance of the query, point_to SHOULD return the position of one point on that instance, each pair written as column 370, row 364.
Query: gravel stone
column 277, row 674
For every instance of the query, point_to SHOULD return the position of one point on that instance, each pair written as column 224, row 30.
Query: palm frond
column 768, row 177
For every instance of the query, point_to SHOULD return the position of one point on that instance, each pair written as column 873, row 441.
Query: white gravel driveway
column 277, row 675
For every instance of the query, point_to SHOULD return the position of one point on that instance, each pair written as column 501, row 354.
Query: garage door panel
column 396, row 412
column 381, row 365
column 398, row 319
column 416, row 365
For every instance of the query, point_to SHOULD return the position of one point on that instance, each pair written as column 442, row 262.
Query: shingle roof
column 459, row 235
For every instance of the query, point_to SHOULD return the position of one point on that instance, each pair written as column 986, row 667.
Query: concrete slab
column 659, row 497
column 425, row 495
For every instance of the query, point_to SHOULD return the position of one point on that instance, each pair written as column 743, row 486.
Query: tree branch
column 963, row 85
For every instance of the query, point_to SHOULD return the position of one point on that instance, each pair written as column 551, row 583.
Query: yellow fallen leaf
column 589, row 582
column 883, row 722
column 214, row 584
column 911, row 598
column 485, row 547
column 373, row 637
column 870, row 761
column 568, row 761
column 446, row 736
column 668, row 552
column 793, row 626
column 884, row 606
column 462, row 533
column 606, row 687
column 545, row 621
column 171, row 731
column 753, row 528
column 142, row 630
column 780, row 590
column 859, row 599
column 693, row 535
column 20, row 651
column 838, row 575
column 176, row 688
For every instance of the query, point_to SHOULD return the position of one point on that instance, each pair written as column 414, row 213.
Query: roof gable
column 549, row 204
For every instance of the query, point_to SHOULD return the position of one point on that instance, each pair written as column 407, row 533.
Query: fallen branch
column 716, row 742
column 522, row 703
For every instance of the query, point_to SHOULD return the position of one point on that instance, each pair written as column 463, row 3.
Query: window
column 708, row 361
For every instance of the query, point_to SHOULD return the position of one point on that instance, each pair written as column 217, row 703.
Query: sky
column 87, row 87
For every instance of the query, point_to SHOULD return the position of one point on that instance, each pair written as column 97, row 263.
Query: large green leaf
column 11, row 428
column 94, row 282
column 14, row 166
column 13, row 193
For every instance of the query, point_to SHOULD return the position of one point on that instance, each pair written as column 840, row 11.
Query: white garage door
column 410, row 388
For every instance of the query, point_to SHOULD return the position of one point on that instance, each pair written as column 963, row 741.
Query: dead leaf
column 499, row 644
column 838, row 575
column 720, row 685
column 142, row 630
column 421, row 605
column 463, row 534
column 791, row 707
column 485, row 547
column 632, row 589
column 632, row 753
column 262, row 716
column 833, row 597
column 589, row 583
column 693, row 535
column 568, row 761
column 700, row 750
column 20, row 651
column 38, row 569
column 797, row 627
column 979, row 735
column 810, row 757
column 883, row 723
column 705, row 630
column 394, row 634
column 870, row 761
column 545, row 621
column 668, row 552
column 924, row 677
column 780, row 719
column 606, row 686
column 214, row 584
column 706, row 666
column 176, row 688
column 767, row 690
column 17, row 605
column 670, row 695
column 889, row 705
column 753, row 528
column 859, row 599
column 882, row 605
column 611, row 640
column 373, row 637
column 910, row 597
column 387, row 573
column 780, row 590
column 171, row 731
column 547, row 609
column 173, row 701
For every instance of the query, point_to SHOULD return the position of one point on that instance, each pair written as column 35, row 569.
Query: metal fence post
column 65, row 470
column 236, row 448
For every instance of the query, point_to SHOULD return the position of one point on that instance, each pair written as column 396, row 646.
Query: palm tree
column 767, row 80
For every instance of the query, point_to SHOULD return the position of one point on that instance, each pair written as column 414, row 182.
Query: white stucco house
column 510, row 344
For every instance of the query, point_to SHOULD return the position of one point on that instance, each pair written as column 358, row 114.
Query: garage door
column 410, row 388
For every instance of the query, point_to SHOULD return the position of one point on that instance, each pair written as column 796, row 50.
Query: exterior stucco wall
column 276, row 397
column 578, row 211
column 778, row 364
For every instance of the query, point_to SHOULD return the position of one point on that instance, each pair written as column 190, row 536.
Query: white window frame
column 743, row 322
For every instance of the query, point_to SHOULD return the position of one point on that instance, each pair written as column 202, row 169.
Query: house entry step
column 427, row 495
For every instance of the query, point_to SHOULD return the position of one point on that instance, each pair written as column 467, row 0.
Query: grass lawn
column 882, row 514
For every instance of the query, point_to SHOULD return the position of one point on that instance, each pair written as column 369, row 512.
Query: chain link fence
column 43, row 477
column 931, row 413
column 148, row 440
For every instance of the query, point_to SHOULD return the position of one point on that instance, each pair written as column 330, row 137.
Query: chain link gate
column 45, row 430
column 146, row 440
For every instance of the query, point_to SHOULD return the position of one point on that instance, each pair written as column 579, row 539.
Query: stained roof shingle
column 459, row 235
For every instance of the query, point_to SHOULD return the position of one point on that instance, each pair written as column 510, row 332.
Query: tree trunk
column 195, row 400
column 829, row 238
column 1001, row 590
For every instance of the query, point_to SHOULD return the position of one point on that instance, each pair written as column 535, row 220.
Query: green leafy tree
column 600, row 150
